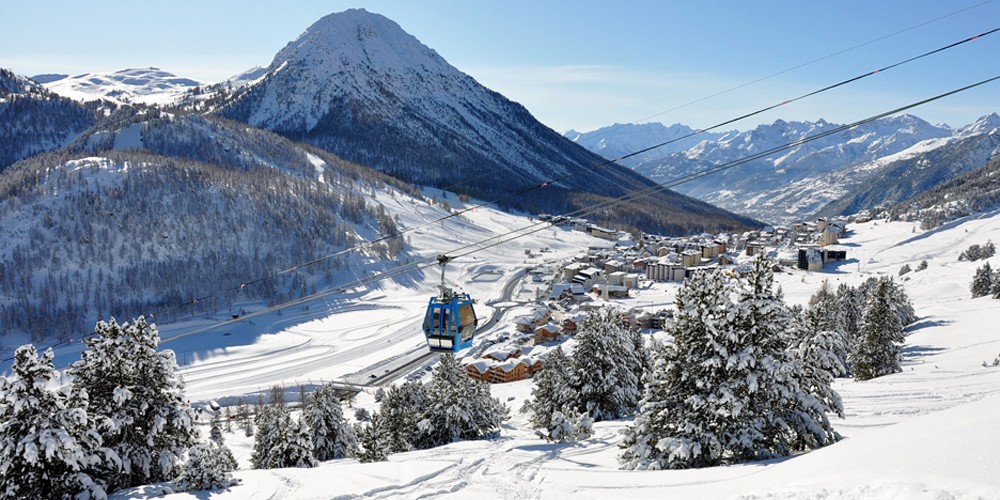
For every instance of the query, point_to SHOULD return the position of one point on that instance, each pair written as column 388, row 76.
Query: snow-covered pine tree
column 226, row 455
column 982, row 282
column 901, row 303
column 679, row 424
column 280, row 441
column 778, row 416
column 49, row 446
column 332, row 436
column 208, row 467
column 567, row 427
column 821, row 340
column 299, row 452
column 819, row 351
column 137, row 388
column 374, row 445
column 850, row 308
column 605, row 367
column 726, row 389
column 876, row 349
column 402, row 408
column 457, row 407
column 551, row 391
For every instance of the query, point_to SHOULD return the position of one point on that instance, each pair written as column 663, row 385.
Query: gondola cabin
column 450, row 322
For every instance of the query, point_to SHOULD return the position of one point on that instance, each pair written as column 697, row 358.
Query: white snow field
column 930, row 432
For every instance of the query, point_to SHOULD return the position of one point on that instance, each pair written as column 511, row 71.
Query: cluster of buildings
column 506, row 365
column 612, row 272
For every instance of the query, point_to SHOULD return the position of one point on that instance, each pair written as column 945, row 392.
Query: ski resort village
column 364, row 271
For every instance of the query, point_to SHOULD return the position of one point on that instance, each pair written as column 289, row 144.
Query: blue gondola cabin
column 450, row 322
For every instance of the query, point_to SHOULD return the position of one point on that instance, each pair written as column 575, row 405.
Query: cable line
column 619, row 175
column 808, row 63
column 484, row 244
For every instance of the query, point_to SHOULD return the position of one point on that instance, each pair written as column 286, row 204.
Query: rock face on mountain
column 358, row 85
column 34, row 120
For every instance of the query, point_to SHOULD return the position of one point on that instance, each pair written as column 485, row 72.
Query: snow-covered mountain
column 922, row 167
column 34, row 120
column 793, row 183
column 358, row 85
column 132, row 85
column 622, row 139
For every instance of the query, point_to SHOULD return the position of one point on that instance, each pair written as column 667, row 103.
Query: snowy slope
column 928, row 432
column 131, row 85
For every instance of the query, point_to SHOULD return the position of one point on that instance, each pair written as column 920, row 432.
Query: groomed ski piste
column 930, row 432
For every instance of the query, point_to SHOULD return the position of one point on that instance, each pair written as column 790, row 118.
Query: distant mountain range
column 134, row 85
column 857, row 169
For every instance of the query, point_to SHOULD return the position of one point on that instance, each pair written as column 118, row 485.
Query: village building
column 691, row 258
column 527, row 323
column 546, row 333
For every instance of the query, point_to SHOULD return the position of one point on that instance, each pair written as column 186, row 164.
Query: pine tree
column 821, row 340
column 568, row 427
column 983, row 281
column 551, row 391
column 606, row 368
column 50, row 446
column 458, row 408
column 850, row 308
column 280, row 441
column 675, row 427
column 137, row 388
column 300, row 452
column 402, row 409
column 787, row 402
column 374, row 445
column 226, row 458
column 332, row 436
column 821, row 353
column 876, row 349
column 208, row 467
column 727, row 389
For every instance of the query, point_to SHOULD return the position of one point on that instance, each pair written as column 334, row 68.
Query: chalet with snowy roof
column 570, row 270
column 527, row 323
column 587, row 277
column 831, row 235
column 614, row 266
column 509, row 371
column 569, row 291
column 547, row 333
column 479, row 369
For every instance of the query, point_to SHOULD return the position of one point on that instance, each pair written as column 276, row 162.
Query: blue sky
column 576, row 64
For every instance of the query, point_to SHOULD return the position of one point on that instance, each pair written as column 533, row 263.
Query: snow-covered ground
column 932, row 431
